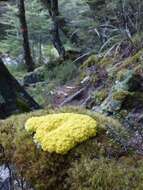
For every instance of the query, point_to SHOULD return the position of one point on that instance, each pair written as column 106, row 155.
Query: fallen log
column 13, row 97
column 72, row 97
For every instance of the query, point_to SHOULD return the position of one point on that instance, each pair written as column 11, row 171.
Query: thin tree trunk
column 61, row 22
column 53, row 9
column 55, row 31
column 40, row 50
column 13, row 97
column 24, row 30
column 56, row 38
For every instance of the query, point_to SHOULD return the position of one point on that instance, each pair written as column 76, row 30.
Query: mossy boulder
column 50, row 170
column 121, row 90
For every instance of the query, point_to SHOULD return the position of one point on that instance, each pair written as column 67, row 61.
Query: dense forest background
column 75, row 56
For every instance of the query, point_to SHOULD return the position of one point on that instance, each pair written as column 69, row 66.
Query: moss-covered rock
column 43, row 170
column 120, row 91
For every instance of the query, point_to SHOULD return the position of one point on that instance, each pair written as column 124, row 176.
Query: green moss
column 138, row 69
column 94, row 78
column 94, row 164
column 101, row 174
column 131, row 63
column 92, row 60
column 96, row 60
column 121, row 95
column 99, row 96
column 137, row 38
column 121, row 74
column 48, row 171
column 107, row 61
column 134, row 60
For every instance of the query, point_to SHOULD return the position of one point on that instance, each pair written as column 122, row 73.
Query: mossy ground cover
column 98, row 163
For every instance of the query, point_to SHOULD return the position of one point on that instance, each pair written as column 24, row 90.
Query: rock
column 4, row 173
column 9, row 61
column 6, row 182
column 119, row 93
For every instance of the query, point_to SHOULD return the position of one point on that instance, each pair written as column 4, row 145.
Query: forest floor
column 109, row 90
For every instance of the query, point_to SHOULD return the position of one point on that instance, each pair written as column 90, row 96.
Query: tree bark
column 24, row 30
column 13, row 97
column 56, row 39
column 54, row 12
column 53, row 6
column 53, row 9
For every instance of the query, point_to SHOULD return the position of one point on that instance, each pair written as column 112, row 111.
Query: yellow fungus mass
column 61, row 132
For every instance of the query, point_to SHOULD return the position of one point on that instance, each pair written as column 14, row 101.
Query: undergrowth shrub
column 61, row 73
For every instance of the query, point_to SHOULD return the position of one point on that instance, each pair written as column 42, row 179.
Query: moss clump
column 61, row 132
column 92, row 60
column 55, row 171
column 138, row 69
column 137, row 58
column 133, row 61
column 97, row 60
column 103, row 173
column 129, row 63
column 120, row 95
column 107, row 61
column 99, row 96
column 121, row 75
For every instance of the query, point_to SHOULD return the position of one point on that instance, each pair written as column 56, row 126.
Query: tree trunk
column 55, row 31
column 53, row 9
column 13, row 98
column 56, row 39
column 24, row 30
column 61, row 21
column 62, row 24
